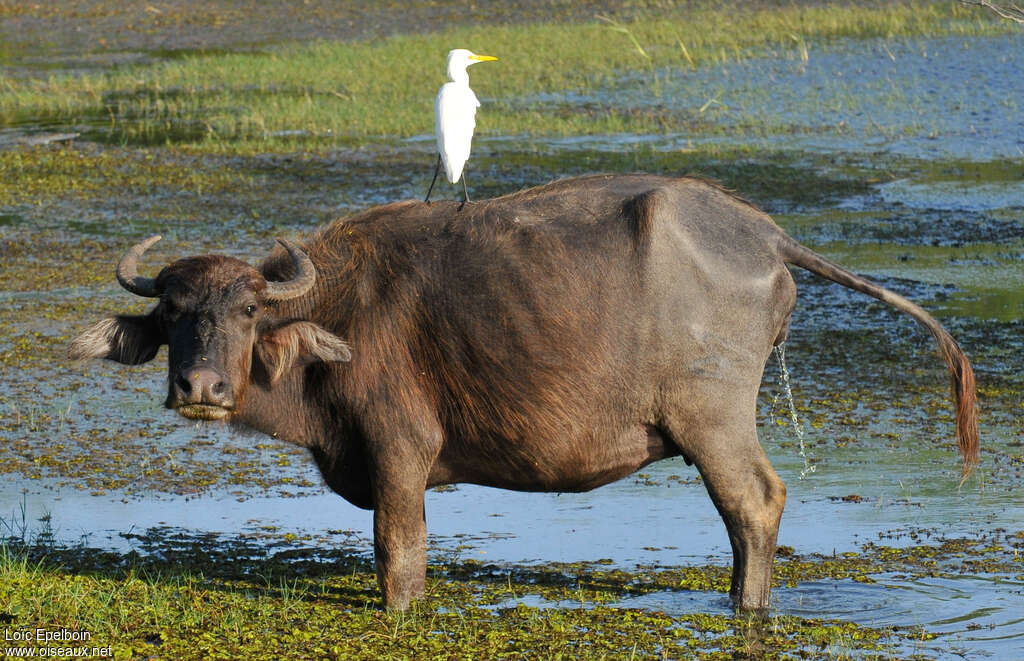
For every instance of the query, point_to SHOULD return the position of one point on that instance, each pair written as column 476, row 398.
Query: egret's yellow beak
column 482, row 58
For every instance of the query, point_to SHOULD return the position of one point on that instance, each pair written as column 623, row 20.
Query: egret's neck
column 458, row 74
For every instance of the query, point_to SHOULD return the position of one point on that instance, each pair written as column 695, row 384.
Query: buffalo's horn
column 128, row 270
column 305, row 276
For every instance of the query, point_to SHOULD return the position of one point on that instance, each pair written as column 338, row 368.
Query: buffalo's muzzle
column 200, row 393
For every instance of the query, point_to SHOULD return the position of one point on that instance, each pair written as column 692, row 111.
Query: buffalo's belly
column 561, row 465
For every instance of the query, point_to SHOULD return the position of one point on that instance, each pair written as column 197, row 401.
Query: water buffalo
column 555, row 339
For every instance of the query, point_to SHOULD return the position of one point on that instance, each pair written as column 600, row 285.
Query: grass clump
column 362, row 90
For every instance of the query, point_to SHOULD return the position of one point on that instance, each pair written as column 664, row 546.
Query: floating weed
column 191, row 597
column 28, row 174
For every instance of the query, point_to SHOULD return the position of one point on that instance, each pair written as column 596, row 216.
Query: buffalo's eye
column 170, row 311
column 250, row 310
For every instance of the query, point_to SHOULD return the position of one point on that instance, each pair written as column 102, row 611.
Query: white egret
column 455, row 117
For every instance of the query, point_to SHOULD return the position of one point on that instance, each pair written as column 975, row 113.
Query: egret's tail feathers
column 453, row 170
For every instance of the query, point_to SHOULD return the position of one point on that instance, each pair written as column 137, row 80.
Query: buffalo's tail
column 961, row 374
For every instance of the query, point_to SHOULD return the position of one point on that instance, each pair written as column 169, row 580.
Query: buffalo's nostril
column 201, row 385
column 183, row 384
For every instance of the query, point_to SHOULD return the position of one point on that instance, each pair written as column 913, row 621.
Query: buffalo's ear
column 299, row 343
column 131, row 340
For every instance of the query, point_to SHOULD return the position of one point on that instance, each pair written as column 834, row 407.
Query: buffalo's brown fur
column 553, row 339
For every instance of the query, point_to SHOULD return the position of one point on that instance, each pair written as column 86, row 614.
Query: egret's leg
column 464, row 190
column 437, row 169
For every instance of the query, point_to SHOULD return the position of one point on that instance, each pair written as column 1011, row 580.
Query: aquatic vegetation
column 207, row 597
column 86, row 171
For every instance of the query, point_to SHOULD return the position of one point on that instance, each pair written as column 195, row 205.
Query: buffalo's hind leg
column 745, row 489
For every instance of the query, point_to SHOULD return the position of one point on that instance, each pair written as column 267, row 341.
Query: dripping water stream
column 798, row 428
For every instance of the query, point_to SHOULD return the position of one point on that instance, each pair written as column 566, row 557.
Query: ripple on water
column 972, row 615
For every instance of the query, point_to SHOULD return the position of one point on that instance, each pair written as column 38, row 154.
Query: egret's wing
column 454, row 121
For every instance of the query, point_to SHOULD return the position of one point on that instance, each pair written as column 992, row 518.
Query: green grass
column 211, row 598
column 361, row 91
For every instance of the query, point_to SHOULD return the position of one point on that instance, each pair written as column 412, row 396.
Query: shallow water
column 934, row 99
column 654, row 519
column 928, row 200
column 969, row 614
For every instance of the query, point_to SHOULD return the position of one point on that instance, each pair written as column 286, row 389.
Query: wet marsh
column 166, row 539
column 560, row 79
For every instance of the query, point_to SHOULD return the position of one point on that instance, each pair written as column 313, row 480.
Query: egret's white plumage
column 455, row 113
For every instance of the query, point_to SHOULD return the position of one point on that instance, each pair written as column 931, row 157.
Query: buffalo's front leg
column 400, row 546
column 399, row 472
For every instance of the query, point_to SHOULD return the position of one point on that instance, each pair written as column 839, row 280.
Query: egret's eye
column 250, row 310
